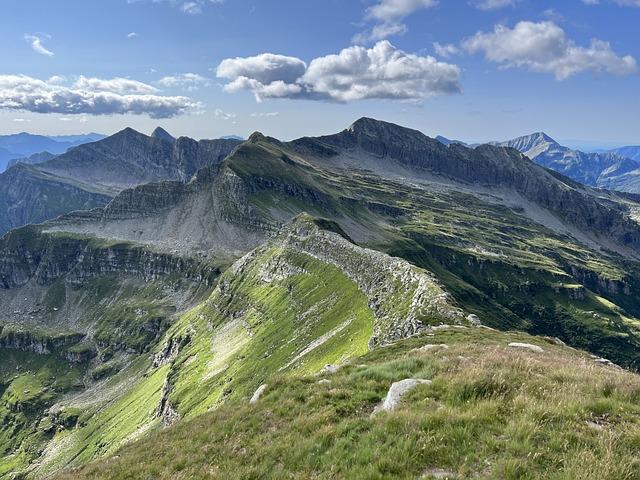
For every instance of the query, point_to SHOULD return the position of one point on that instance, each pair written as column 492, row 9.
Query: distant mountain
column 599, row 169
column 129, row 158
column 34, row 159
column 446, row 141
column 23, row 145
column 632, row 152
column 233, row 137
column 90, row 175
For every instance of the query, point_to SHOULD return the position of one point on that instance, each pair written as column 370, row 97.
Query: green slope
column 492, row 411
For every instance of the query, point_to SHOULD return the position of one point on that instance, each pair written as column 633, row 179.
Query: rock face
column 29, row 196
column 387, row 148
column 28, row 255
column 162, row 134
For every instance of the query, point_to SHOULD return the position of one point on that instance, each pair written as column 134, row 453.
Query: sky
column 474, row 70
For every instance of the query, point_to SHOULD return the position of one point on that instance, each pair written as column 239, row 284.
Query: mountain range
column 615, row 169
column 90, row 175
column 208, row 303
column 24, row 145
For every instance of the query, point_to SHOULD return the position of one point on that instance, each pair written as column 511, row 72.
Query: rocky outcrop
column 165, row 411
column 65, row 345
column 404, row 299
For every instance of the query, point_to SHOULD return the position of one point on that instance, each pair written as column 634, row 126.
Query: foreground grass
column 491, row 412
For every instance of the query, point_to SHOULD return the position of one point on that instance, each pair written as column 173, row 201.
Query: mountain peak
column 161, row 134
column 542, row 137
column 370, row 127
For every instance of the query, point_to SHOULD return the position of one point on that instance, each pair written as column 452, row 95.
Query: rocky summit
column 393, row 305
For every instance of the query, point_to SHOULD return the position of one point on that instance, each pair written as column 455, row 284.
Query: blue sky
column 468, row 69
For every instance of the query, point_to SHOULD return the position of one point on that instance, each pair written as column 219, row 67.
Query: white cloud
column 356, row 73
column 92, row 96
column 222, row 115
column 21, row 120
column 264, row 114
column 445, row 50
column 265, row 68
column 122, row 86
column 388, row 16
column 132, row 35
column 188, row 81
column 544, row 47
column 624, row 3
column 392, row 10
column 37, row 46
column 493, row 4
column 191, row 7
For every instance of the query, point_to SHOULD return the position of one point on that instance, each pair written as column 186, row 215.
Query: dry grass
column 491, row 412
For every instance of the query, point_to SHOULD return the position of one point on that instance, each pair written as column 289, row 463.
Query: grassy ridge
column 491, row 412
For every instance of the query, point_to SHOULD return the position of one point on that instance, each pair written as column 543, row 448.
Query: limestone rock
column 527, row 346
column 397, row 391
column 258, row 393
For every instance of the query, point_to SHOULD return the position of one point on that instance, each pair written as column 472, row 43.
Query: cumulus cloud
column 37, row 46
column 92, row 96
column 445, row 50
column 388, row 16
column 544, row 47
column 132, row 35
column 187, row 81
column 222, row 115
column 493, row 4
column 356, row 73
column 122, row 86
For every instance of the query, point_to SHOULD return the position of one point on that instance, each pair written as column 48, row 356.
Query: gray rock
column 258, row 393
column 473, row 319
column 527, row 346
column 604, row 361
column 439, row 474
column 429, row 347
column 329, row 368
column 397, row 391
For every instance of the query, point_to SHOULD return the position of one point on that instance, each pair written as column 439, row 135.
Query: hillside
column 182, row 297
column 487, row 411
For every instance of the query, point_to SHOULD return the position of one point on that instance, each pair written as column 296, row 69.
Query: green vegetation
column 29, row 384
column 491, row 412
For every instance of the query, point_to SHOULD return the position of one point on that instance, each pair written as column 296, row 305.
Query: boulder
column 258, row 393
column 397, row 391
column 527, row 346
